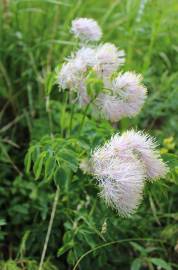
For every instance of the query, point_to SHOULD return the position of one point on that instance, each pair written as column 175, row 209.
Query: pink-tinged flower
column 126, row 98
column 145, row 149
column 87, row 55
column 71, row 73
column 121, row 182
column 86, row 29
column 121, row 167
column 110, row 107
column 108, row 59
column 129, row 88
column 122, row 186
column 72, row 76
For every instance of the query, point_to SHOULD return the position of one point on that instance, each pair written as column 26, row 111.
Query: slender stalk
column 63, row 113
column 113, row 243
column 71, row 119
column 83, row 118
column 56, row 198
column 48, row 110
column 85, row 114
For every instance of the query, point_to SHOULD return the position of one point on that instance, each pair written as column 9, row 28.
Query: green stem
column 83, row 118
column 48, row 110
column 56, row 198
column 112, row 243
column 85, row 113
column 63, row 111
column 71, row 119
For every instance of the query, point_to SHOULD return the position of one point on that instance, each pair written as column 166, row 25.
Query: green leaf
column 89, row 239
column 161, row 263
column 49, row 82
column 28, row 161
column 37, row 168
column 136, row 264
column 65, row 248
column 2, row 222
column 60, row 177
column 71, row 257
column 50, row 165
column 137, row 247
column 35, row 152
column 171, row 159
column 84, row 142
column 70, row 159
column 169, row 231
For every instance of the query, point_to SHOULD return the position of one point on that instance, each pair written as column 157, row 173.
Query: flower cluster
column 122, row 165
column 122, row 96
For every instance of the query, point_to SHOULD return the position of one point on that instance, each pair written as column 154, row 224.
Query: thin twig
column 49, row 228
column 13, row 122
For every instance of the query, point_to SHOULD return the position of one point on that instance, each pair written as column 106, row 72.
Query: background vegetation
column 34, row 38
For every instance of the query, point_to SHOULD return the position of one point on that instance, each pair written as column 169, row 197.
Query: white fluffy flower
column 122, row 186
column 144, row 148
column 71, row 73
column 126, row 98
column 128, row 86
column 121, row 167
column 121, row 181
column 110, row 107
column 87, row 55
column 108, row 59
column 86, row 29
column 72, row 77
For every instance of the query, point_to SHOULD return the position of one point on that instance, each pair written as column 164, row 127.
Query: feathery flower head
column 144, row 148
column 72, row 77
column 121, row 181
column 122, row 186
column 108, row 59
column 87, row 55
column 71, row 73
column 127, row 97
column 110, row 107
column 86, row 29
column 121, row 167
column 128, row 86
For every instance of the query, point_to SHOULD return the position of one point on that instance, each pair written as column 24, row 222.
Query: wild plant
column 92, row 83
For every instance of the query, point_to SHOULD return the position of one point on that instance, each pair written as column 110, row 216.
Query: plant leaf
column 60, row 177
column 161, row 262
column 136, row 264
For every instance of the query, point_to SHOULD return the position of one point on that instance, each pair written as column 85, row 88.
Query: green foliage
column 25, row 264
column 36, row 125
column 49, row 155
column 145, row 259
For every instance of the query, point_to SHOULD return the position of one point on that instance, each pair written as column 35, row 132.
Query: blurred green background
column 34, row 38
